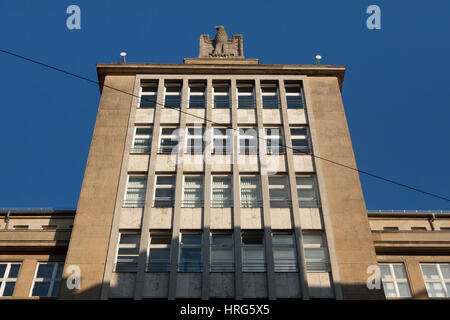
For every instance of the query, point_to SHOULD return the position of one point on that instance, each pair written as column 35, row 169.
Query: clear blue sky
column 396, row 89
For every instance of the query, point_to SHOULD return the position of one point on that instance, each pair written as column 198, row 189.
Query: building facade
column 211, row 179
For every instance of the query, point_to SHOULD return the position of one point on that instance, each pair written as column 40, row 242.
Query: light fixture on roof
column 318, row 58
column 123, row 55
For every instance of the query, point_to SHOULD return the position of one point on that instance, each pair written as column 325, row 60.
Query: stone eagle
column 221, row 46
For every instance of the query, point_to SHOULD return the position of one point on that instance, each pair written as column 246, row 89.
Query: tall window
column 316, row 255
column 300, row 141
column 222, row 140
column 246, row 97
column 193, row 191
column 159, row 252
column 194, row 140
column 437, row 279
column 222, row 252
column 168, row 140
column 270, row 98
column 221, row 95
column 395, row 281
column 172, row 97
column 142, row 140
column 148, row 97
column 128, row 252
column 197, row 97
column 279, row 191
column 274, row 141
column 248, row 141
column 190, row 259
column 222, row 191
column 307, row 192
column 250, row 191
column 294, row 97
column 253, row 254
column 47, row 279
column 136, row 189
column 164, row 191
column 8, row 278
column 284, row 253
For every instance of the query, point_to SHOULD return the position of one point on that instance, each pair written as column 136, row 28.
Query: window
column 172, row 98
column 8, row 278
column 47, row 279
column 284, row 253
column 193, row 192
column 316, row 255
column 253, row 254
column 164, row 191
column 222, row 191
column 222, row 252
column 300, row 142
column 190, row 259
column 128, row 252
column 437, row 279
column 168, row 140
column 274, row 141
column 221, row 97
column 294, row 97
column 148, row 97
column 136, row 189
column 159, row 252
column 250, row 191
column 270, row 98
column 395, row 281
column 279, row 191
column 222, row 141
column 248, row 141
column 308, row 196
column 197, row 97
column 246, row 98
column 142, row 140
column 194, row 140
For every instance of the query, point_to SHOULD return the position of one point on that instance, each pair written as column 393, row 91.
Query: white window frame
column 6, row 277
column 394, row 280
column 199, row 267
column 258, row 202
column 196, row 204
column 443, row 281
column 178, row 93
column 132, row 268
column 174, row 137
column 228, row 137
column 195, row 136
column 134, row 148
column 307, row 149
column 316, row 265
column 139, row 202
column 280, row 137
column 52, row 280
column 270, row 94
column 247, row 136
column 223, row 266
column 151, row 95
column 294, row 94
column 165, row 186
column 161, row 266
column 226, row 203
column 244, row 94
column 203, row 93
column 227, row 94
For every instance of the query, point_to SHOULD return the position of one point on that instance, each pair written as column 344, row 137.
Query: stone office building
column 209, row 179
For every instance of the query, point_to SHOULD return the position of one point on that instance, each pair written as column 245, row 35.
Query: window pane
column 14, row 270
column 399, row 271
column 430, row 272
column 389, row 289
column 445, row 269
column 435, row 289
column 40, row 289
column 191, row 239
column 403, row 289
column 9, row 289
column 385, row 272
column 55, row 290
column 2, row 270
column 45, row 271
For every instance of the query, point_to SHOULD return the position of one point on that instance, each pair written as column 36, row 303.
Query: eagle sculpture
column 221, row 46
